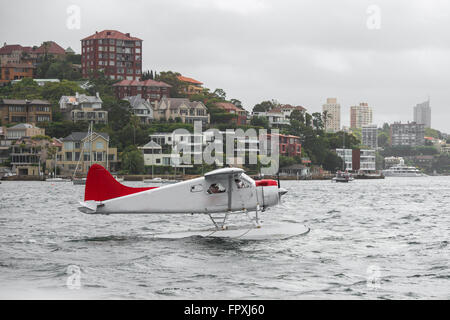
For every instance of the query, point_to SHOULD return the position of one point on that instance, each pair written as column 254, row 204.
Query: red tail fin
column 101, row 185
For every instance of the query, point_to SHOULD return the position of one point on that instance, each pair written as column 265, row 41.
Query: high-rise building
column 360, row 115
column 117, row 55
column 407, row 134
column 333, row 118
column 422, row 114
column 370, row 136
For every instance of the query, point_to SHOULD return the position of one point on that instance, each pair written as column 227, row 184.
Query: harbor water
column 369, row 239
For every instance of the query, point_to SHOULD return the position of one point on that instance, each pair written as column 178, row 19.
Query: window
column 197, row 188
column 216, row 188
column 99, row 145
column 68, row 145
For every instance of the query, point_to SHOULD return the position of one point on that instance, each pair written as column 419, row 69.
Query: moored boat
column 402, row 170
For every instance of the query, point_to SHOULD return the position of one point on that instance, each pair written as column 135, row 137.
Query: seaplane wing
column 218, row 194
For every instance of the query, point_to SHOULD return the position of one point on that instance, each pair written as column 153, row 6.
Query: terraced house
column 25, row 111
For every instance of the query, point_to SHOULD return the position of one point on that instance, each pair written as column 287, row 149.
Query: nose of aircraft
column 282, row 191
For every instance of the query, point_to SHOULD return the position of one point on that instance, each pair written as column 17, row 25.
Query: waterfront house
column 28, row 155
column 299, row 171
column 363, row 160
column 80, row 150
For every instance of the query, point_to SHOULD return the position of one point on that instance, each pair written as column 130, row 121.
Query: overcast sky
column 298, row 52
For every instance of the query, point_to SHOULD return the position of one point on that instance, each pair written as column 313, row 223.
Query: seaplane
column 219, row 194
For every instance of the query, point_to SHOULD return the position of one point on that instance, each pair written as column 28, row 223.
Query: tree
column 132, row 160
column 236, row 102
column 265, row 106
column 383, row 139
column 260, row 122
column 220, row 93
column 147, row 75
column 332, row 162
column 178, row 86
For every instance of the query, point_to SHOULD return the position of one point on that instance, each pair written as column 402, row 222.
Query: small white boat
column 342, row 177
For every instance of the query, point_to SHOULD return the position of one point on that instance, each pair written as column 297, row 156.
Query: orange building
column 192, row 86
column 15, row 71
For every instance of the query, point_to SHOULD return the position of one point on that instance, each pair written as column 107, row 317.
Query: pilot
column 214, row 188
column 239, row 183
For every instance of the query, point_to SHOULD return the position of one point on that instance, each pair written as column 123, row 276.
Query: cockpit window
column 216, row 188
column 240, row 183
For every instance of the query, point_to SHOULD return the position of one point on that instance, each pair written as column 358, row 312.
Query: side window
column 216, row 188
column 241, row 183
column 197, row 188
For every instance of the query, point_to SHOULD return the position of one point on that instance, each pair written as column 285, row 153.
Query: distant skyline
column 392, row 55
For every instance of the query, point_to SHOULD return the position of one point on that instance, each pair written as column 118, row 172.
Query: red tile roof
column 9, row 48
column 51, row 47
column 111, row 34
column 137, row 83
column 189, row 80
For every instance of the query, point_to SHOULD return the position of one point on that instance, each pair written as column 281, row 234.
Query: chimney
column 76, row 95
column 97, row 95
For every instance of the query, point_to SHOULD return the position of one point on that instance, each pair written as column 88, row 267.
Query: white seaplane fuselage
column 238, row 192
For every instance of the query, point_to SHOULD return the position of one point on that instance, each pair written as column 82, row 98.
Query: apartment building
column 148, row 89
column 25, row 111
column 355, row 160
column 370, row 136
column 289, row 145
column 360, row 115
column 333, row 111
column 422, row 114
column 16, row 71
column 118, row 55
column 407, row 134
